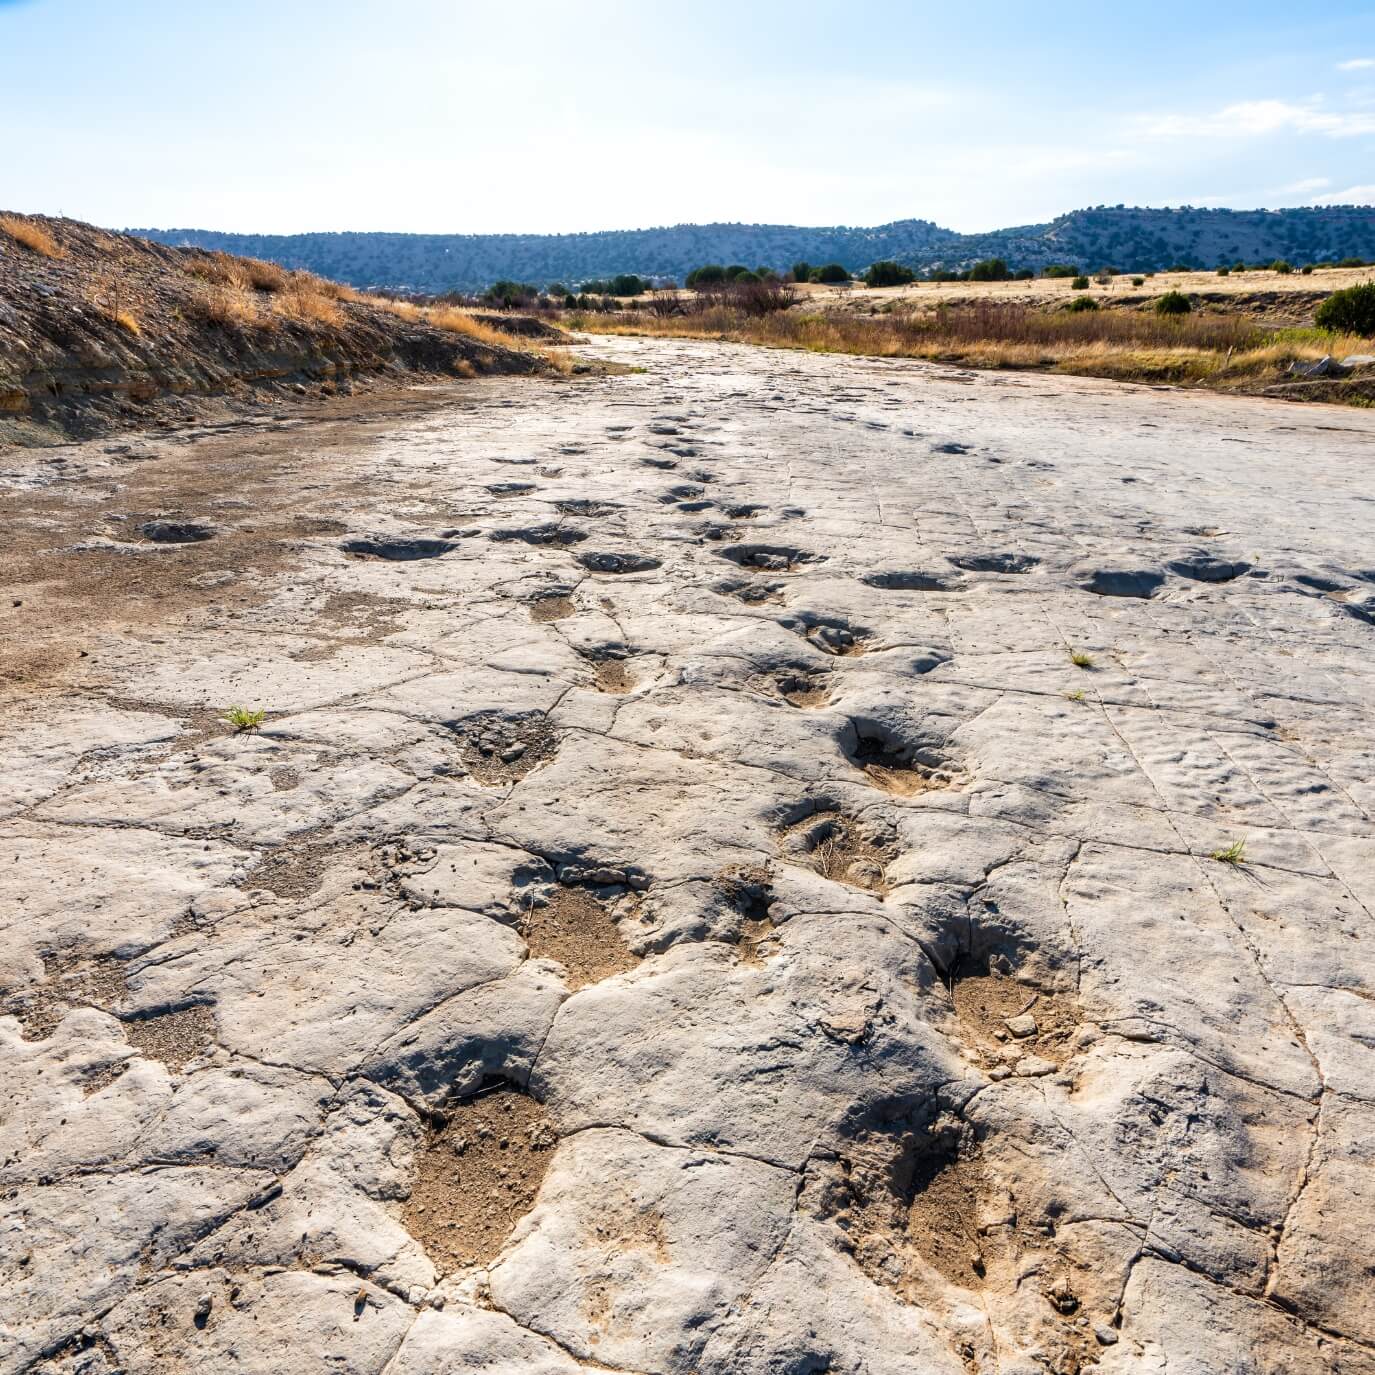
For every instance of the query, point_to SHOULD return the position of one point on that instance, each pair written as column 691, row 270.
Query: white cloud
column 1353, row 195
column 1302, row 188
column 1253, row 118
column 1357, row 64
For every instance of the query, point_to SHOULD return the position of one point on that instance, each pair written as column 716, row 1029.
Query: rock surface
column 757, row 870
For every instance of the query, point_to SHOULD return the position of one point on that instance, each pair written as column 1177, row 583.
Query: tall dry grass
column 31, row 235
column 1214, row 350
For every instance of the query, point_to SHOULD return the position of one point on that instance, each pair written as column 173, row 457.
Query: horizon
column 443, row 121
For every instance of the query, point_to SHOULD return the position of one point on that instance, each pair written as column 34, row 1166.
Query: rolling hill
column 1127, row 238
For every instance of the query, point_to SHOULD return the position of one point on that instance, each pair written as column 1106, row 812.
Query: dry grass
column 1217, row 350
column 30, row 235
column 303, row 301
column 227, row 305
column 127, row 322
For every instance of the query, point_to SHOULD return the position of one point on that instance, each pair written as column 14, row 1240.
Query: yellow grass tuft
column 31, row 235
column 126, row 322
column 227, row 305
column 303, row 301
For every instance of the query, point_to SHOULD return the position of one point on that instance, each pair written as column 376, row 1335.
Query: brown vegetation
column 1226, row 350
column 31, row 235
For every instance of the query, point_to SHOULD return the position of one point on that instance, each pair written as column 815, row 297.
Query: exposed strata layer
column 861, row 976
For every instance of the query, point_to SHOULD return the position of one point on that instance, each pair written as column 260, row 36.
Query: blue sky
column 530, row 115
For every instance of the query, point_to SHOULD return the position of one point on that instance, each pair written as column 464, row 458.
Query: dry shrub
column 304, row 302
column 126, row 321
column 31, row 235
column 264, row 276
column 226, row 305
column 457, row 322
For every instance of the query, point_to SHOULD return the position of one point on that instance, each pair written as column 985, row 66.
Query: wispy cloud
column 1357, row 64
column 1302, row 188
column 1353, row 195
column 1256, row 118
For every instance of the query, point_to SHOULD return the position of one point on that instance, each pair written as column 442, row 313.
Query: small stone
column 1032, row 1066
column 1105, row 1336
column 1022, row 1026
column 203, row 1307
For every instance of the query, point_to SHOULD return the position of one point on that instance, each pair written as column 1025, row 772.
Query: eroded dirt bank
column 686, row 909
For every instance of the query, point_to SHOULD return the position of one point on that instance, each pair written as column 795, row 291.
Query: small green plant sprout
column 1080, row 658
column 1076, row 696
column 242, row 719
column 1235, row 853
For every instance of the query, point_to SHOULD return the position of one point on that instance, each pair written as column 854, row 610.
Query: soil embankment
column 101, row 331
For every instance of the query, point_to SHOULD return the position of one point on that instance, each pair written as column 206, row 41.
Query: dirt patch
column 498, row 750
column 476, row 1176
column 842, row 849
column 297, row 867
column 175, row 1038
column 898, row 768
column 1004, row 1021
column 748, row 889
column 557, row 606
column 69, row 980
column 577, row 931
column 365, row 614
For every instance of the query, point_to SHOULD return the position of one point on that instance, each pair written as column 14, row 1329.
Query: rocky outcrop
column 942, row 944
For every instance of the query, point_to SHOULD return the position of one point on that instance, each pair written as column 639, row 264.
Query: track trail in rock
column 737, row 872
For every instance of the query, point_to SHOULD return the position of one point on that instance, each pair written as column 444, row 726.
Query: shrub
column 1023, row 274
column 990, row 270
column 1224, row 272
column 505, row 294
column 556, row 289
column 1307, row 269
column 32, row 236
column 1138, row 281
column 705, row 275
column 1080, row 283
column 1282, row 267
column 746, row 276
column 832, row 272
column 1173, row 303
column 1082, row 303
column 1349, row 311
column 801, row 271
column 888, row 273
column 736, row 270
column 1351, row 262
column 628, row 284
column 1059, row 270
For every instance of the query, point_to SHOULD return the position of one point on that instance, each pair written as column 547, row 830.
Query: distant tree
column 736, row 270
column 506, row 294
column 705, row 275
column 990, row 270
column 556, row 289
column 1080, row 283
column 1224, row 272
column 1059, row 270
column 1023, row 274
column 1173, row 303
column 802, row 272
column 887, row 273
column 1080, row 303
column 627, row 284
column 832, row 272
column 1281, row 266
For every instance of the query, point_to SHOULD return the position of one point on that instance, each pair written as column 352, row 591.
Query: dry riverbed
column 733, row 876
